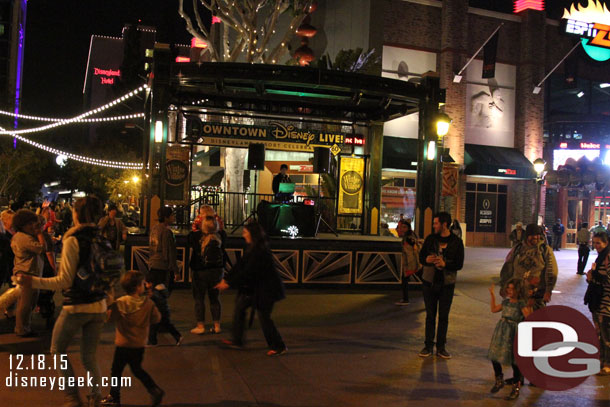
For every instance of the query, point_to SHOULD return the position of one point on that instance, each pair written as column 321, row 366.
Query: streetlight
column 135, row 179
column 443, row 122
column 539, row 165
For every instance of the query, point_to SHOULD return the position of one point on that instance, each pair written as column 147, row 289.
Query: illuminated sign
column 561, row 156
column 592, row 25
column 507, row 171
column 563, row 145
column 589, row 146
column 357, row 141
column 197, row 43
column 521, row 5
column 106, row 75
column 183, row 59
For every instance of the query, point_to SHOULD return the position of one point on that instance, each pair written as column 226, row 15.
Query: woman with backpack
column 598, row 297
column 259, row 287
column 84, row 308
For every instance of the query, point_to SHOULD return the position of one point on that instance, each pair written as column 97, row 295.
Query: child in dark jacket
column 133, row 314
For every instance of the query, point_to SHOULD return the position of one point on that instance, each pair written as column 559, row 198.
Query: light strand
column 76, row 157
column 55, row 119
column 79, row 117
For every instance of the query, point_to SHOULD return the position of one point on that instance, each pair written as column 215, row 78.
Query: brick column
column 453, row 55
column 530, row 107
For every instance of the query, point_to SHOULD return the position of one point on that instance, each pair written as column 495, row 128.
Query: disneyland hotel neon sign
column 106, row 75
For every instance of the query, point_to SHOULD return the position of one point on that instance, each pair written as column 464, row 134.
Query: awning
column 401, row 153
column 494, row 161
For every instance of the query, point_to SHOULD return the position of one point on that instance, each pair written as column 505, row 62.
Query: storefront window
column 486, row 207
column 397, row 198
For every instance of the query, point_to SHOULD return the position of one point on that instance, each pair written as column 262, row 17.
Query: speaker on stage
column 256, row 157
column 321, row 160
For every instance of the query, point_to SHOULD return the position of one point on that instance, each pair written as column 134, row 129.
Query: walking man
column 558, row 230
column 442, row 255
column 583, row 237
column 532, row 262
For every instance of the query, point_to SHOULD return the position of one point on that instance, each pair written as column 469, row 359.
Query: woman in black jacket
column 207, row 263
column 259, row 286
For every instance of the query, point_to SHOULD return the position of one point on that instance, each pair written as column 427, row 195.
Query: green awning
column 497, row 162
column 401, row 153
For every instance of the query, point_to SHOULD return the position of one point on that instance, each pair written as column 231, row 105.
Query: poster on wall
column 490, row 106
column 176, row 175
column 486, row 213
column 351, row 186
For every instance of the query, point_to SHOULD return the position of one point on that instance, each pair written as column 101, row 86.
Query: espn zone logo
column 597, row 33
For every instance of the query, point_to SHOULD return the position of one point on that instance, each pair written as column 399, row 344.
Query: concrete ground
column 345, row 349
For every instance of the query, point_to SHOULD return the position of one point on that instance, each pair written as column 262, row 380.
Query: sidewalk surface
column 345, row 349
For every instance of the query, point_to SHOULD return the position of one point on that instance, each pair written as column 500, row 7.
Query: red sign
column 106, row 75
column 197, row 43
column 589, row 146
column 521, row 5
column 508, row 171
column 183, row 59
column 357, row 141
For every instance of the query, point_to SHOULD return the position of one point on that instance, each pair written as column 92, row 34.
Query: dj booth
column 279, row 219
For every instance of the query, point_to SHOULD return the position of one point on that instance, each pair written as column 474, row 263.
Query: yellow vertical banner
column 351, row 186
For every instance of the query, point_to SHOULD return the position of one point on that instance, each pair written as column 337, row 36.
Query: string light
column 55, row 119
column 79, row 118
column 76, row 157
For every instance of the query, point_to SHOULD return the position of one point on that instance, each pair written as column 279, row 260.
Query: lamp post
column 539, row 165
column 433, row 126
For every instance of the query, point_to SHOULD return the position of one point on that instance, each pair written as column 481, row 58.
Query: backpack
column 100, row 265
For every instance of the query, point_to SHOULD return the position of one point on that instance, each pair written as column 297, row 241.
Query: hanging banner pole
column 458, row 77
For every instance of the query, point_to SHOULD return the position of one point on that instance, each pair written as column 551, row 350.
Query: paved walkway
column 345, row 349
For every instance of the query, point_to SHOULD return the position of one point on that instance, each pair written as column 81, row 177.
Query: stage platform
column 325, row 260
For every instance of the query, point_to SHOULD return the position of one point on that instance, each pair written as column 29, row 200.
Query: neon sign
column 563, row 145
column 357, row 141
column 521, row 5
column 106, row 75
column 183, row 59
column 592, row 25
column 507, row 171
column 197, row 43
column 589, row 146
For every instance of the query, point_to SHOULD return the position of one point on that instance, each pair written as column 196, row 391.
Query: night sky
column 58, row 34
column 57, row 45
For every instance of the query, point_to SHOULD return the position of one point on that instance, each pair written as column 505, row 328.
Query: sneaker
column 443, row 353
column 179, row 340
column 425, row 352
column 198, row 330
column 110, row 401
column 156, row 396
column 230, row 344
column 277, row 352
column 401, row 302
column 604, row 372
column 29, row 334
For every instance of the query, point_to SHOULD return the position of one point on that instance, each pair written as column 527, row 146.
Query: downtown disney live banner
column 351, row 186
column 275, row 136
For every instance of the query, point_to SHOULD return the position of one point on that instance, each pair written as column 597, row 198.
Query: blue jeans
column 67, row 326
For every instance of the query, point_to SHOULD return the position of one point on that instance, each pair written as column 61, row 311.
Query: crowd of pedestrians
column 28, row 245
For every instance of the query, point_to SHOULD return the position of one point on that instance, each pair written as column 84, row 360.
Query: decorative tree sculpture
column 246, row 27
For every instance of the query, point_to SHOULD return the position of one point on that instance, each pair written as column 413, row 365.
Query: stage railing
column 235, row 207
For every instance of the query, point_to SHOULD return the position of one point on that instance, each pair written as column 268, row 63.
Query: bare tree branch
column 191, row 29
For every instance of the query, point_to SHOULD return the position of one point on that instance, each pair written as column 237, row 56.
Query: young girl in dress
column 514, row 310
